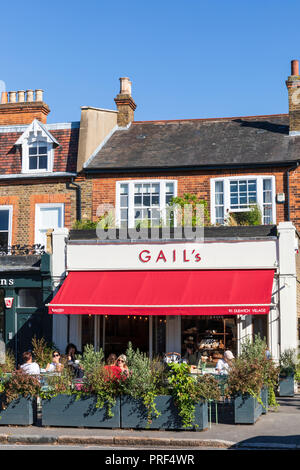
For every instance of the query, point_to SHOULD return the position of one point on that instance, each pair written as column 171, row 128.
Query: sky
column 186, row 59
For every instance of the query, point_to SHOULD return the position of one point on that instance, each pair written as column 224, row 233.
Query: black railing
column 21, row 250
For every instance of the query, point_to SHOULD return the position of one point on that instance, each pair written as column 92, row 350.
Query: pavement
column 275, row 430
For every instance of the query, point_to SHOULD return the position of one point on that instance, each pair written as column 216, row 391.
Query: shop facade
column 162, row 294
column 25, row 288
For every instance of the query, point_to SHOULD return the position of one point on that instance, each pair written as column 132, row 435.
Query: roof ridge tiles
column 231, row 118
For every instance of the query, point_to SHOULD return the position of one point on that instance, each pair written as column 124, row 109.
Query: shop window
column 239, row 194
column 210, row 337
column 122, row 329
column 159, row 335
column 30, row 297
column 87, row 330
column 143, row 203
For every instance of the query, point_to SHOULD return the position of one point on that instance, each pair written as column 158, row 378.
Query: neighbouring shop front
column 164, row 296
column 25, row 288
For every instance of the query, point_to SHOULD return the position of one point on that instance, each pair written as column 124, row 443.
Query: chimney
column 125, row 104
column 293, row 86
column 22, row 107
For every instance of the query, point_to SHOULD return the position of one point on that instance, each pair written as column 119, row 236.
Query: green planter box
column 65, row 410
column 247, row 409
column 134, row 414
column 286, row 386
column 21, row 411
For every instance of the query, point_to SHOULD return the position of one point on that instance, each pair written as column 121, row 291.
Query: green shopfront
column 25, row 288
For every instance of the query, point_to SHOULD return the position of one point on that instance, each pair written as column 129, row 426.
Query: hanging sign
column 8, row 301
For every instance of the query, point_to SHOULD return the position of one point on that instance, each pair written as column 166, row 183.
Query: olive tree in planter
column 94, row 402
column 18, row 399
column 287, row 371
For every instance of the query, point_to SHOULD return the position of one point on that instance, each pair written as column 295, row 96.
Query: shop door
column 28, row 325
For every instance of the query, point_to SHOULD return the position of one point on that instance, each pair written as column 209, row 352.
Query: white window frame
column 162, row 192
column 40, row 206
column 10, row 214
column 259, row 189
column 25, row 156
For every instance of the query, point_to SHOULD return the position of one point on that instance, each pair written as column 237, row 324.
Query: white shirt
column 222, row 367
column 52, row 366
column 31, row 368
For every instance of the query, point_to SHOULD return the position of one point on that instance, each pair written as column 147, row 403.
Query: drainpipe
column 288, row 188
column 78, row 199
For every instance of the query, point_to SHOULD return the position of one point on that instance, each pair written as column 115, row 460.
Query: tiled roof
column 65, row 156
column 199, row 143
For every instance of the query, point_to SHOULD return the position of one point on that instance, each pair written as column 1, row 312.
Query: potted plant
column 287, row 371
column 92, row 402
column 18, row 395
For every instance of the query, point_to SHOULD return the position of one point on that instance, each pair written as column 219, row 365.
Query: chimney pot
column 125, row 86
column 38, row 95
column 21, row 96
column 29, row 94
column 12, row 96
column 295, row 67
column 4, row 97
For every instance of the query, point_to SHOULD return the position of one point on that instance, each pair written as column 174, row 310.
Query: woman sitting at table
column 223, row 365
column 55, row 365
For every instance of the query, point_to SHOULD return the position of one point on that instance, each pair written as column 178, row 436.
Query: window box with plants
column 287, row 371
column 251, row 382
column 92, row 402
column 159, row 397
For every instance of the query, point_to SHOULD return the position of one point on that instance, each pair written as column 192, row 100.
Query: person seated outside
column 111, row 360
column 119, row 370
column 223, row 365
column 190, row 355
column 71, row 352
column 30, row 367
column 55, row 365
column 122, row 364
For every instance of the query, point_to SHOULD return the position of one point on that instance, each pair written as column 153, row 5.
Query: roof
column 199, row 143
column 65, row 135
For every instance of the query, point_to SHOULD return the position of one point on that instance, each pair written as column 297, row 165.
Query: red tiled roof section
column 65, row 156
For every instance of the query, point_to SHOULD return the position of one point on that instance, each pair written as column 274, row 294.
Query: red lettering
column 174, row 255
column 161, row 256
column 197, row 257
column 144, row 258
column 184, row 257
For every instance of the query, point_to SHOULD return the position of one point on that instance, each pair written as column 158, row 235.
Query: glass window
column 30, row 297
column 47, row 217
column 219, row 202
column 38, row 156
column 4, row 227
column 148, row 199
column 243, row 193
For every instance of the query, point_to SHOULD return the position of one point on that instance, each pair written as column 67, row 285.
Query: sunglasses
column 120, row 360
column 56, row 355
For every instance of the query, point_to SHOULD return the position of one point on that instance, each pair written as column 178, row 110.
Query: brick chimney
column 293, row 86
column 22, row 107
column 125, row 104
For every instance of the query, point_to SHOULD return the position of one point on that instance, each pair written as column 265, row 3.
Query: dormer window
column 38, row 156
column 37, row 149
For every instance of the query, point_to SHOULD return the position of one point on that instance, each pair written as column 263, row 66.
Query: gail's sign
column 163, row 256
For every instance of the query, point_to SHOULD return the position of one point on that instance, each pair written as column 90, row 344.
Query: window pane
column 124, row 201
column 33, row 150
column 219, row 199
column 124, row 189
column 138, row 200
column 219, row 187
column 50, row 217
column 43, row 163
column 43, row 151
column 4, row 219
column 29, row 297
column 32, row 163
column 267, row 184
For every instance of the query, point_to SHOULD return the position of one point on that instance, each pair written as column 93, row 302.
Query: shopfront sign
column 143, row 256
column 8, row 302
column 6, row 282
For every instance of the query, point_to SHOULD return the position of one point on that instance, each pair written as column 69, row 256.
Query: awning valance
column 185, row 292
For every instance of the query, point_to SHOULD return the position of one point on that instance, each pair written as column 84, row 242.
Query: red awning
column 220, row 292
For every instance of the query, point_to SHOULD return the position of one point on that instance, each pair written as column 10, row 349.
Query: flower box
column 247, row 409
column 286, row 386
column 67, row 410
column 21, row 411
column 134, row 414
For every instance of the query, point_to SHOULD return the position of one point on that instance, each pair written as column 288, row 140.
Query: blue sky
column 186, row 59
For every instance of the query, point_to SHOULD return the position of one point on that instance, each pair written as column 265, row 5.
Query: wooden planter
column 21, row 411
column 66, row 410
column 247, row 409
column 134, row 414
column 286, row 386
